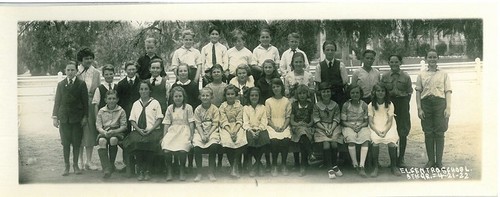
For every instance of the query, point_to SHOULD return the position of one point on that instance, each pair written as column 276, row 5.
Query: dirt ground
column 41, row 160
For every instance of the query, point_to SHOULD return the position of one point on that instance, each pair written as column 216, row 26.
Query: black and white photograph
column 363, row 99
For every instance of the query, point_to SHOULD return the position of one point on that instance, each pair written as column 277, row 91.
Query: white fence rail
column 45, row 85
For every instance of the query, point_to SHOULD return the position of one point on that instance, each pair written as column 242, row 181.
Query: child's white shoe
column 337, row 171
column 331, row 174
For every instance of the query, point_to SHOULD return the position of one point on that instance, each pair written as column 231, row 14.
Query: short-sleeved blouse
column 153, row 112
column 354, row 114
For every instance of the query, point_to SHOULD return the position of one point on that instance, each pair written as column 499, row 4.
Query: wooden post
column 422, row 65
column 59, row 76
column 322, row 39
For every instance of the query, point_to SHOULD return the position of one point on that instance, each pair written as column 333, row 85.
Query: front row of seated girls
column 236, row 129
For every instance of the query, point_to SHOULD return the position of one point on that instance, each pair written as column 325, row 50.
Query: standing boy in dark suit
column 145, row 61
column 128, row 93
column 332, row 71
column 70, row 114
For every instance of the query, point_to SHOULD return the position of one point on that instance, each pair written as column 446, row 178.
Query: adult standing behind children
column 433, row 95
column 238, row 55
column 213, row 53
column 128, row 93
column 186, row 54
column 92, row 77
column 263, row 52
column 70, row 114
column 399, row 85
column 366, row 76
column 145, row 61
column 333, row 72
column 286, row 57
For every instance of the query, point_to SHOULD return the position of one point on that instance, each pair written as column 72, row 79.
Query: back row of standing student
column 216, row 53
column 144, row 62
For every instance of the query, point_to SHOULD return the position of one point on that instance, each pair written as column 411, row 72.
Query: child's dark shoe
column 147, row 176
column 362, row 172
column 211, row 177
column 77, row 169
column 402, row 163
column 302, row 171
column 284, row 170
column 439, row 165
column 141, row 176
column 395, row 171
column 182, row 176
column 66, row 171
column 430, row 164
column 251, row 173
column 274, row 171
column 374, row 172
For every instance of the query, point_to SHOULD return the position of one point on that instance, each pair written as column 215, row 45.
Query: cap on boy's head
column 324, row 86
column 85, row 52
column 150, row 40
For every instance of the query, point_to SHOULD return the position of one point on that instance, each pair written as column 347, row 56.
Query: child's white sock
column 352, row 152
column 364, row 151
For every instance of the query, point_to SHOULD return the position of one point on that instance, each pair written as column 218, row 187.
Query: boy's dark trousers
column 71, row 134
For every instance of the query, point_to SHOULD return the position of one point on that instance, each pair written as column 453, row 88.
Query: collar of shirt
column 240, row 49
column 106, row 85
column 211, row 44
column 300, row 106
column 323, row 106
column 150, row 99
column 396, row 73
column 67, row 79
column 185, row 83
column 268, row 48
column 81, row 69
column 133, row 79
column 158, row 79
column 190, row 48
column 297, row 50
column 152, row 56
column 428, row 70
column 328, row 61
column 111, row 110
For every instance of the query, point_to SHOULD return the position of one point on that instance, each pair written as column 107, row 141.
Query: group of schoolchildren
column 251, row 104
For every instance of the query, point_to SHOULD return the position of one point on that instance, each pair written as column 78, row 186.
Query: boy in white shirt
column 286, row 57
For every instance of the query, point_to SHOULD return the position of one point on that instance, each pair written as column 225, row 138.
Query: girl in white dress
column 383, row 127
column 279, row 110
column 178, row 131
column 255, row 125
